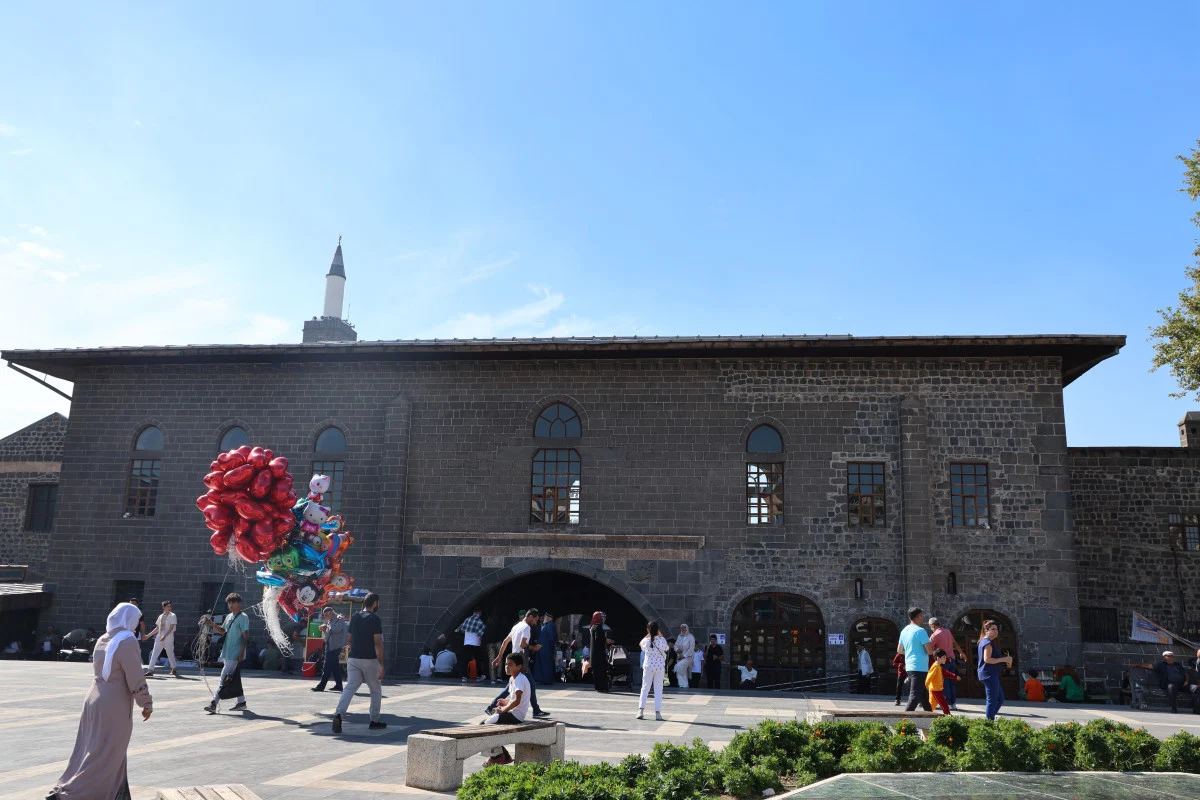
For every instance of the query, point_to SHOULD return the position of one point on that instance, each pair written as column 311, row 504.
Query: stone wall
column 1123, row 498
column 32, row 455
column 437, row 484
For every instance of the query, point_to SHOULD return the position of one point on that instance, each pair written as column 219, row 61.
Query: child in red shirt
column 901, row 674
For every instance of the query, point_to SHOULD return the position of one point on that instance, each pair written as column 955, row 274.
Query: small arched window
column 329, row 458
column 558, row 421
column 150, row 438
column 145, row 466
column 764, row 439
column 234, row 438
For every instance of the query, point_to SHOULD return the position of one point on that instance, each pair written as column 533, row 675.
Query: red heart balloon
column 257, row 458
column 238, row 477
column 215, row 480
column 244, row 451
column 202, row 501
column 278, row 466
column 247, row 550
column 219, row 542
column 261, row 485
column 248, row 509
column 241, row 526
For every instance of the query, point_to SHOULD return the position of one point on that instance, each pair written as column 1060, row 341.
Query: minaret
column 330, row 327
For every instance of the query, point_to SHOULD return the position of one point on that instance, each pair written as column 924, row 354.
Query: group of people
column 929, row 663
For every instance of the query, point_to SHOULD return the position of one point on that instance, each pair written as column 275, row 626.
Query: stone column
column 918, row 512
column 387, row 571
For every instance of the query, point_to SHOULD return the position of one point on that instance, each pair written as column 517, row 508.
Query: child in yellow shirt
column 934, row 681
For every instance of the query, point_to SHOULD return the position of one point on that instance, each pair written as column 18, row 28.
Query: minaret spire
column 331, row 326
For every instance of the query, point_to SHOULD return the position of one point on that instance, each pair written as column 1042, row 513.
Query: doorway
column 783, row 633
column 966, row 632
column 880, row 637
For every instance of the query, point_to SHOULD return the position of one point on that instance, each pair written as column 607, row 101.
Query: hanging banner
column 1150, row 632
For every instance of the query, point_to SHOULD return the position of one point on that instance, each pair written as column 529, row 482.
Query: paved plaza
column 284, row 746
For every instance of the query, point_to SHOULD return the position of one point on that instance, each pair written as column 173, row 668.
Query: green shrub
column 880, row 750
column 1179, row 753
column 561, row 780
column 998, row 746
column 678, row 773
column 1106, row 745
column 949, row 732
column 1055, row 746
column 817, row 763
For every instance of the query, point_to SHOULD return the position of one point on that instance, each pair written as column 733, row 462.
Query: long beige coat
column 96, row 770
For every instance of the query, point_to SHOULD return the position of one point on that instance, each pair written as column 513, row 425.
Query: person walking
column 714, row 654
column 473, row 630
column 865, row 669
column 164, row 638
column 235, row 627
column 519, row 637
column 98, row 767
column 941, row 639
column 935, row 681
column 654, row 665
column 685, row 648
column 598, row 655
column 336, row 633
column 365, row 664
column 991, row 664
column 914, row 644
column 901, row 674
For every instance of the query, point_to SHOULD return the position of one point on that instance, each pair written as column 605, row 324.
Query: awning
column 21, row 596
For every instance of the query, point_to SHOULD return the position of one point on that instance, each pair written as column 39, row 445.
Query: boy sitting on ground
column 513, row 709
column 1034, row 691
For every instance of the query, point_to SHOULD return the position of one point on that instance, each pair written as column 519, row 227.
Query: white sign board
column 837, row 638
column 720, row 638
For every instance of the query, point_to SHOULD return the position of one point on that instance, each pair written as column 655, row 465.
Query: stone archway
column 537, row 576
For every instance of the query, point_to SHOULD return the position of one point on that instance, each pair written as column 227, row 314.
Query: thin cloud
column 486, row 271
column 60, row 277
column 35, row 230
column 41, row 251
column 7, row 130
column 524, row 320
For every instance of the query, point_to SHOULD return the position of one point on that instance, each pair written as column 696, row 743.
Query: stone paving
column 284, row 748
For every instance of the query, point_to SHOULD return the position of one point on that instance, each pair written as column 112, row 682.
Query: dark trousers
column 900, row 687
column 917, row 695
column 1173, row 690
column 951, row 690
column 712, row 673
column 864, row 684
column 474, row 652
column 672, row 677
column 533, row 703
column 331, row 668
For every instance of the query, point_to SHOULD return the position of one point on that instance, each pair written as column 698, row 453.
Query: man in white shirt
column 515, row 708
column 444, row 663
column 519, row 637
column 164, row 638
column 865, row 669
column 749, row 675
column 685, row 646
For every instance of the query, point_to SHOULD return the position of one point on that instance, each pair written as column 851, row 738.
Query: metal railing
column 826, row 683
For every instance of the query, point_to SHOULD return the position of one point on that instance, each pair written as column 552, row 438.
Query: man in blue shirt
column 236, row 629
column 916, row 648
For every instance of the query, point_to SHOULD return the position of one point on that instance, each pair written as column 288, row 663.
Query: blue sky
column 181, row 175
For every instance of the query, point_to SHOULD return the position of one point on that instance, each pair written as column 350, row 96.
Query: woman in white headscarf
column 96, row 770
column 685, row 646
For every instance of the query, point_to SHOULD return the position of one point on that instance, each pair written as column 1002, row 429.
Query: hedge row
column 773, row 755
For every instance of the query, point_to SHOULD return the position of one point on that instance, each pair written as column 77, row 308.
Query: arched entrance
column 783, row 633
column 966, row 632
column 880, row 637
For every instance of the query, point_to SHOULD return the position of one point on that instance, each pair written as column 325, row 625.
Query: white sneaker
column 954, row 706
column 658, row 716
column 641, row 714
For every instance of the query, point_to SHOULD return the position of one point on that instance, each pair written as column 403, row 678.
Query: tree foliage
column 1177, row 340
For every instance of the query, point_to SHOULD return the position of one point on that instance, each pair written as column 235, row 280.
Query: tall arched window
column 879, row 637
column 145, row 465
column 329, row 458
column 783, row 633
column 234, row 438
column 557, row 421
column 764, row 476
column 554, row 485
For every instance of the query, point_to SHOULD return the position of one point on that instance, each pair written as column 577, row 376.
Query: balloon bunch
column 249, row 503
column 252, row 508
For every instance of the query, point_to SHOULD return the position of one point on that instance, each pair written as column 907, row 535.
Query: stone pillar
column 917, row 508
column 387, row 570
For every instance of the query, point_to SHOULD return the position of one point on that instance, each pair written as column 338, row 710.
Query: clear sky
column 181, row 175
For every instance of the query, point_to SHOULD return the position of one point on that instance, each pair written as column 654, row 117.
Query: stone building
column 792, row 494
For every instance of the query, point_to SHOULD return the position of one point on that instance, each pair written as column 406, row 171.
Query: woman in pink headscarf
column 599, row 651
column 97, row 769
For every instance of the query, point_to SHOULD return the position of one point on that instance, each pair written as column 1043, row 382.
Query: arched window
column 764, row 439
column 145, row 466
column 329, row 458
column 554, row 494
column 557, row 421
column 234, row 438
column 783, row 633
column 764, row 477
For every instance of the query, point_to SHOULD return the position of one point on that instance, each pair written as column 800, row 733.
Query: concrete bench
column 922, row 719
column 435, row 757
column 234, row 791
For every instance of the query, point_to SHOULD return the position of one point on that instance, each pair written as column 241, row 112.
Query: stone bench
column 235, row 791
column 922, row 719
column 435, row 757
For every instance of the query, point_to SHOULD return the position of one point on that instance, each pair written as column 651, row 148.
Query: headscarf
column 122, row 621
column 598, row 618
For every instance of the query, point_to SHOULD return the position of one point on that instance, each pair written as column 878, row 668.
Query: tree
column 1177, row 339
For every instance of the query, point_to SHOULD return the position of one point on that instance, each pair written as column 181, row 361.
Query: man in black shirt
column 365, row 664
column 714, row 654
